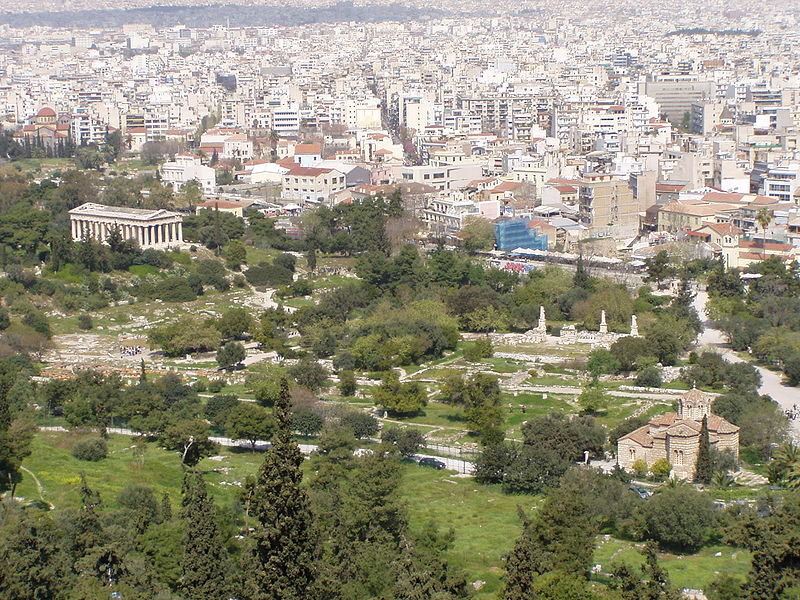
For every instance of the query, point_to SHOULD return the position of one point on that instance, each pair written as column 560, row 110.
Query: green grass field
column 484, row 519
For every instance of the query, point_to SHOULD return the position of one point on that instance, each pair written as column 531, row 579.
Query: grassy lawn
column 59, row 472
column 44, row 165
column 441, row 415
column 553, row 380
column 694, row 571
column 483, row 518
column 503, row 365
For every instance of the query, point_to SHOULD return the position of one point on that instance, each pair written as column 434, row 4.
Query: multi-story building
column 607, row 207
column 187, row 168
column 315, row 186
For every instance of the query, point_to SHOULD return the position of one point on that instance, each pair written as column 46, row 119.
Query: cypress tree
column 166, row 508
column 203, row 566
column 89, row 530
column 519, row 568
column 703, row 469
column 283, row 554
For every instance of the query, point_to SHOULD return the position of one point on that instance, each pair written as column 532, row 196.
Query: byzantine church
column 676, row 436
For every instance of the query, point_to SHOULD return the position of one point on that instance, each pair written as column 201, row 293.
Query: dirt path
column 39, row 487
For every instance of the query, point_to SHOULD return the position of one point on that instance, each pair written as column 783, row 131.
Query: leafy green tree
column 361, row 424
column 249, row 422
column 704, row 469
column 234, row 323
column 658, row 268
column 477, row 234
column 593, row 398
column 399, row 398
column 649, row 377
column 283, row 555
column 482, row 407
column 311, row 259
column 560, row 538
column 307, row 421
column 230, row 354
column 267, row 384
column 405, row 440
column 38, row 322
column 204, row 573
column 235, row 254
column 189, row 439
column 480, row 348
column 678, row 518
column 493, row 462
column 661, row 469
column 188, row 334
column 217, row 408
column 724, row 587
column 310, row 374
column 32, row 559
column 602, row 362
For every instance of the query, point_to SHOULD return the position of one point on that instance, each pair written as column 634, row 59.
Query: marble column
column 180, row 232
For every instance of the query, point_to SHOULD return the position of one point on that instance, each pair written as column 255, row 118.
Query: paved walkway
column 771, row 382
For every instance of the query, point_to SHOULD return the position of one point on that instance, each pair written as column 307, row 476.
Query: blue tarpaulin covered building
column 517, row 233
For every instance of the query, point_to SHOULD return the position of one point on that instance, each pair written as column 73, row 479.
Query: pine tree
column 284, row 551
column 703, row 470
column 203, row 566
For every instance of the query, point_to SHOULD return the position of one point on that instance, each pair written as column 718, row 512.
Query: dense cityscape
column 399, row 301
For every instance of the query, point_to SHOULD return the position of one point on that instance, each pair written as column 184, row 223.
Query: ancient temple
column 149, row 228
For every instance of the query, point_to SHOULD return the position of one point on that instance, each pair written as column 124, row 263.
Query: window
column 632, row 453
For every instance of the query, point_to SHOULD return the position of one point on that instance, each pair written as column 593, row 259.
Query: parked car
column 431, row 462
column 642, row 493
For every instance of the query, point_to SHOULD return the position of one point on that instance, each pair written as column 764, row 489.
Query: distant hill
column 235, row 14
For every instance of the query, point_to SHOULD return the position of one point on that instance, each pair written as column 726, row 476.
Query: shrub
column 480, row 348
column 93, row 450
column 287, row 261
column 639, row 467
column 215, row 386
column 268, row 275
column 649, row 377
column 661, row 468
column 85, row 322
column 38, row 322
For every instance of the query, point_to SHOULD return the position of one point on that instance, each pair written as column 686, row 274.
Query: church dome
column 46, row 112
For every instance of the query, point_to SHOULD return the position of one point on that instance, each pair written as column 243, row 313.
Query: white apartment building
column 308, row 184
column 782, row 182
column 186, row 168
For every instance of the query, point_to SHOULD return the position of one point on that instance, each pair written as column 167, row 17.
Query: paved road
column 771, row 382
